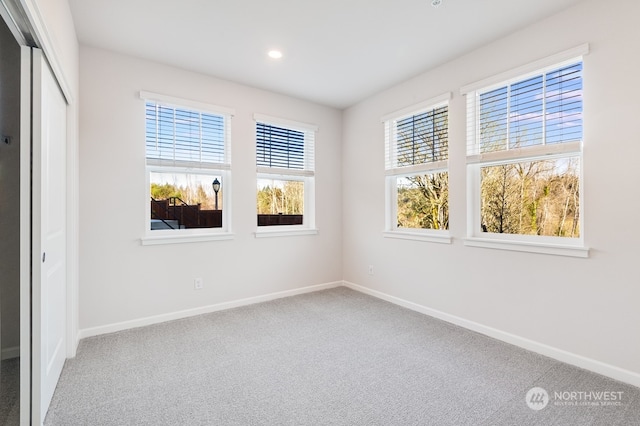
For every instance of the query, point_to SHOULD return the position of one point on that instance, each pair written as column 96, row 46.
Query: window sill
column 263, row 233
column 530, row 247
column 178, row 239
column 418, row 236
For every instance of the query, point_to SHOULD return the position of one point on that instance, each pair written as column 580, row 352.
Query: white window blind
column 538, row 113
column 419, row 141
column 289, row 149
column 185, row 137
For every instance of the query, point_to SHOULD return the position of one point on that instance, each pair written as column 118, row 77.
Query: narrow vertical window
column 285, row 174
column 417, row 153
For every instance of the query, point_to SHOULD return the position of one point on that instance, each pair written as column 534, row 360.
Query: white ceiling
column 336, row 52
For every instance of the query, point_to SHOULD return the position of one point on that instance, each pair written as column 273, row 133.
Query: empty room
column 351, row 212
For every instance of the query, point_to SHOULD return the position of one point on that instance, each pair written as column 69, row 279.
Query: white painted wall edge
column 593, row 365
column 43, row 35
column 8, row 353
column 141, row 322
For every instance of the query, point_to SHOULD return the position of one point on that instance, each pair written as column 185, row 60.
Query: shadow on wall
column 9, row 195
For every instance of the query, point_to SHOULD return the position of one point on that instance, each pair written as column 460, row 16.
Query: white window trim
column 530, row 69
column 173, row 236
column 159, row 237
column 391, row 230
column 529, row 247
column 283, row 122
column 309, row 218
column 276, row 173
column 418, row 108
column 175, row 102
column 178, row 239
column 420, row 235
column 290, row 231
column 391, row 217
column 561, row 246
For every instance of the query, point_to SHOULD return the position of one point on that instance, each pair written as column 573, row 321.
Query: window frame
column 475, row 161
column 393, row 172
column 172, row 236
column 305, row 175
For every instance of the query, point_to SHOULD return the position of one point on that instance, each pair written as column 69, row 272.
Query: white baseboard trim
column 141, row 322
column 593, row 365
column 8, row 353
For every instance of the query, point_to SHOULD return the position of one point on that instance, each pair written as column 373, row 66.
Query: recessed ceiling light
column 275, row 54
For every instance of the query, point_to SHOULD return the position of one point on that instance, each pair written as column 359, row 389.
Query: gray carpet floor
column 10, row 392
column 334, row 357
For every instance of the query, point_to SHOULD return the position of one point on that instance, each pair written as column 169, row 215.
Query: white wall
column 587, row 307
column 124, row 281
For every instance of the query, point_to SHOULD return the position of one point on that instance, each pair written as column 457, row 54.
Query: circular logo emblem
column 537, row 398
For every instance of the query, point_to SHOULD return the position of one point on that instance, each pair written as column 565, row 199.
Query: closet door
column 49, row 235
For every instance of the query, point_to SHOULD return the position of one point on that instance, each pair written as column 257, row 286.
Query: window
column 286, row 177
column 188, row 167
column 524, row 157
column 417, row 153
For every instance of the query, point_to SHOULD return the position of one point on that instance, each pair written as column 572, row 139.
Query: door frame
column 25, row 235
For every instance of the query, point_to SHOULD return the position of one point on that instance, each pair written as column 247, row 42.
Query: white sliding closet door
column 49, row 235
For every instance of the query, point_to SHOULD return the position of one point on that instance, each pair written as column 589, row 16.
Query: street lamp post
column 216, row 188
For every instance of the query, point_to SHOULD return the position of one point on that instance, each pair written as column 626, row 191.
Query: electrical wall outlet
column 197, row 284
column 370, row 269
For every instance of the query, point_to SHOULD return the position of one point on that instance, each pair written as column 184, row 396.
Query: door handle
column 44, row 256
